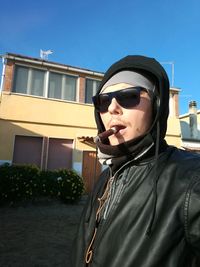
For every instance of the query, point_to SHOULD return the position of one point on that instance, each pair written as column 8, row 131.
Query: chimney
column 193, row 119
column 174, row 102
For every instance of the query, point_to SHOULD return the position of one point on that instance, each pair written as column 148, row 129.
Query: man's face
column 133, row 122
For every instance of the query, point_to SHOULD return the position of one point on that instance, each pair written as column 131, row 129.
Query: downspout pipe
column 3, row 72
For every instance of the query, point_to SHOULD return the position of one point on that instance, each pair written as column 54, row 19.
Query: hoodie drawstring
column 155, row 181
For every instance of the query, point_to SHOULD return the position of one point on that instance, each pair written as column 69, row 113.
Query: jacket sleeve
column 192, row 216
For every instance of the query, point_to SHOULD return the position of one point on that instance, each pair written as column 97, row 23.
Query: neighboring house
column 46, row 116
column 190, row 128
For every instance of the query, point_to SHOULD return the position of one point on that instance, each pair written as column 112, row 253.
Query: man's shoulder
column 183, row 163
column 180, row 155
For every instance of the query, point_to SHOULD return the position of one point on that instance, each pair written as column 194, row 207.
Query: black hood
column 156, row 72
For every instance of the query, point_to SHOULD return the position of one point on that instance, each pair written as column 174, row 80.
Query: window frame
column 94, row 88
column 45, row 91
column 29, row 79
column 64, row 75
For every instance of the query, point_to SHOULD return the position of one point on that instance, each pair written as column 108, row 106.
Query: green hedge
column 25, row 182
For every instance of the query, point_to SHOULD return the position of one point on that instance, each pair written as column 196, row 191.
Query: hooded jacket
column 146, row 211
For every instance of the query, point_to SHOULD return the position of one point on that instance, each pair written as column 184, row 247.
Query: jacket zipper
column 106, row 196
column 102, row 201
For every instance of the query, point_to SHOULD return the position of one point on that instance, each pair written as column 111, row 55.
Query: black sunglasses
column 127, row 98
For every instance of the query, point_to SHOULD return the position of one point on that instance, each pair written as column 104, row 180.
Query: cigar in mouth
column 106, row 134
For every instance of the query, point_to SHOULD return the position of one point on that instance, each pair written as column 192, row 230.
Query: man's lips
column 118, row 128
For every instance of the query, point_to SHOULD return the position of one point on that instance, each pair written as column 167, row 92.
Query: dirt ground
column 38, row 234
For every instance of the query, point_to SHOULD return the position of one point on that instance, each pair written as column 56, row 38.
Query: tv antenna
column 45, row 53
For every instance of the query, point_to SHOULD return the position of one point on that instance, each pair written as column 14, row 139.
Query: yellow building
column 173, row 136
column 46, row 115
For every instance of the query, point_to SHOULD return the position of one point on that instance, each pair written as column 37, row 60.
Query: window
column 90, row 89
column 37, row 82
column 62, row 86
column 34, row 81
column 22, row 147
column 59, row 153
column 29, row 81
column 69, row 90
column 21, row 80
column 55, row 85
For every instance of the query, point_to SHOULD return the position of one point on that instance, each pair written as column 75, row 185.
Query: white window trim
column 46, row 84
column 77, row 98
column 29, row 81
column 63, row 87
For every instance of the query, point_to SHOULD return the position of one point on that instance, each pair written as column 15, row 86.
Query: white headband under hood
column 129, row 77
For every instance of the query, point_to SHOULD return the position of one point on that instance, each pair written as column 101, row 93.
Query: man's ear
column 156, row 106
column 156, row 103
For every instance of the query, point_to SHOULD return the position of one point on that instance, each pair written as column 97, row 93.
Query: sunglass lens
column 104, row 102
column 128, row 98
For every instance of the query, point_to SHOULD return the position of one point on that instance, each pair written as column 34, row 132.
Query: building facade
column 190, row 128
column 46, row 116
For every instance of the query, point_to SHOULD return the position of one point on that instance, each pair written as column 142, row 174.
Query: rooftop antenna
column 44, row 54
column 172, row 65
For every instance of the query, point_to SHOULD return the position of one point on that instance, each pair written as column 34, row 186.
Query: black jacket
column 122, row 240
column 152, row 216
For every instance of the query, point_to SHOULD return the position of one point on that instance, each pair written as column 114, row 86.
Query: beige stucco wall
column 173, row 136
column 41, row 110
column 35, row 116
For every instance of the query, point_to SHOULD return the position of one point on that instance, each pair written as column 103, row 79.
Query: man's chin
column 119, row 139
column 114, row 141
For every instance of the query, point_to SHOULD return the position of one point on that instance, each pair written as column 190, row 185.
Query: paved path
column 38, row 235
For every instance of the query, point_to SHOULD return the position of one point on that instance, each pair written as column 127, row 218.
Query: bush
column 70, row 185
column 24, row 182
column 18, row 182
column 47, row 185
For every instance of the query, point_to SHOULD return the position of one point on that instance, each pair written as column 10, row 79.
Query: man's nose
column 114, row 107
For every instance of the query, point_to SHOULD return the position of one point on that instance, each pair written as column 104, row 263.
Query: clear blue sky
column 93, row 34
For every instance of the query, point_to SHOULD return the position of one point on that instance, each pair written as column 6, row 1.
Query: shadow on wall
column 8, row 131
column 22, row 146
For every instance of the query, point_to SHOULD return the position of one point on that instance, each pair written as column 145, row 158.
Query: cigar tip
column 106, row 134
column 115, row 129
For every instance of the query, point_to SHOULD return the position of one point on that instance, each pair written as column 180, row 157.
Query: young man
column 145, row 208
